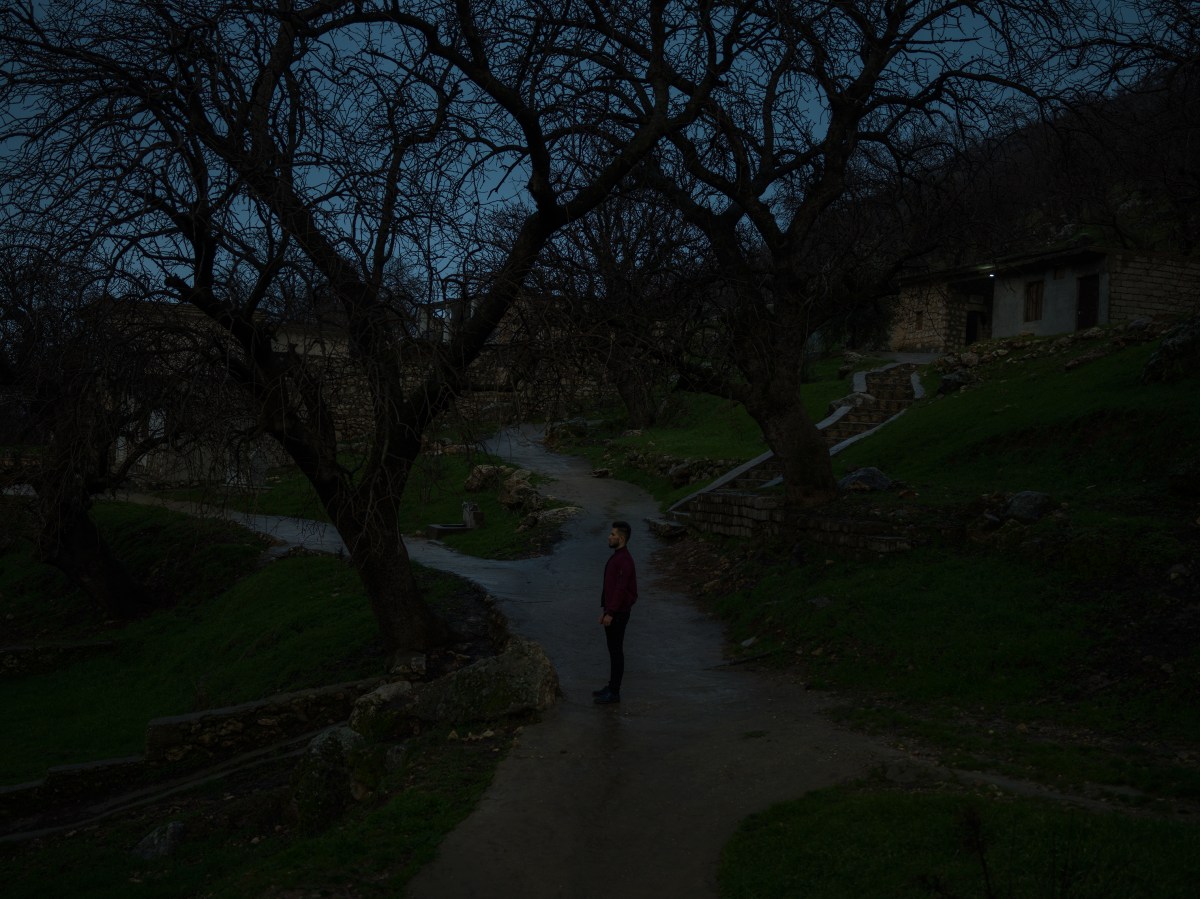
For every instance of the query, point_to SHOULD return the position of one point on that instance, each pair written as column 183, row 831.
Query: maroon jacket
column 620, row 582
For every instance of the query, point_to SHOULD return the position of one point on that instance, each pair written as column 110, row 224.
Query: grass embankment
column 1065, row 652
column 695, row 427
column 233, row 630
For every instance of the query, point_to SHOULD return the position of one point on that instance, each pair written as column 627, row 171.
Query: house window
column 1034, row 291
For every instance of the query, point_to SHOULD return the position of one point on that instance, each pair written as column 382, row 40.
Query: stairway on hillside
column 894, row 391
column 736, row 505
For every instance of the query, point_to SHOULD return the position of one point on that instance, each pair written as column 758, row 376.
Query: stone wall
column 922, row 320
column 752, row 515
column 184, row 742
column 219, row 733
column 1148, row 286
column 736, row 514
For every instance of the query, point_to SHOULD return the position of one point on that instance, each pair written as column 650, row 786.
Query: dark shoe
column 601, row 691
column 604, row 697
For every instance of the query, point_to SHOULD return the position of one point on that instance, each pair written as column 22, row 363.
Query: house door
column 1087, row 303
column 976, row 327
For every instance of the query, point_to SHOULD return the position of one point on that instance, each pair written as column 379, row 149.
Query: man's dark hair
column 624, row 528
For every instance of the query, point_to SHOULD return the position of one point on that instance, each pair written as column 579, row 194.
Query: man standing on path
column 616, row 599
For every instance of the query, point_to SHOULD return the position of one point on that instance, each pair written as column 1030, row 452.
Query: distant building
column 1040, row 294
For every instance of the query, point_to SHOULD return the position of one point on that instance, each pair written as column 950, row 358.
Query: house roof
column 1005, row 265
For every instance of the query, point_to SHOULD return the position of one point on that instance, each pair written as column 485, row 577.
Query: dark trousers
column 614, row 635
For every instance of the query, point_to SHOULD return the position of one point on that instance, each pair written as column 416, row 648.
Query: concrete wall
column 1060, row 286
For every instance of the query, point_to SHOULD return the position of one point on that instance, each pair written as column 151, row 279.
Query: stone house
column 1053, row 292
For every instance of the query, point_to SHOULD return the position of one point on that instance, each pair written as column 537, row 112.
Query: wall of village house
column 1143, row 286
column 1060, row 286
column 922, row 320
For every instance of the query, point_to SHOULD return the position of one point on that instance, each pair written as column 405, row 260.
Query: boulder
column 323, row 783
column 865, row 479
column 520, row 679
column 160, row 842
column 558, row 516
column 1177, row 356
column 484, row 477
column 1027, row 506
column 666, row 529
column 954, row 381
column 408, row 664
column 680, row 474
column 381, row 713
column 516, row 493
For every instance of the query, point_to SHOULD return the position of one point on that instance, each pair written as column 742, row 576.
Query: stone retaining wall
column 747, row 515
column 186, row 741
column 219, row 733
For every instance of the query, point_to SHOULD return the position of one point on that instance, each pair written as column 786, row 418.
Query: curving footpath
column 634, row 800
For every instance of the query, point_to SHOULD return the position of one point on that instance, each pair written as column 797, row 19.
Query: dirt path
column 637, row 799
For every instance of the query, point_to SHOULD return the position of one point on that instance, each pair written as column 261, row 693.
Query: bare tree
column 814, row 169
column 90, row 394
column 616, row 288
column 204, row 144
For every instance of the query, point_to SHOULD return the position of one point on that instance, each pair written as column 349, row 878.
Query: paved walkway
column 634, row 800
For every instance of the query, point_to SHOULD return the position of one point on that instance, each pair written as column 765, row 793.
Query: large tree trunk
column 800, row 448
column 405, row 621
column 368, row 523
column 69, row 540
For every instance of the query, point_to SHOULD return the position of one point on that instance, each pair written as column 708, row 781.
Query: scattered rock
column 666, row 529
column 485, row 477
column 379, row 714
column 680, row 474
column 1028, row 506
column 1177, row 356
column 516, row 493
column 323, row 784
column 519, row 679
column 160, row 842
column 602, row 472
column 558, row 516
column 954, row 381
column 408, row 664
column 864, row 480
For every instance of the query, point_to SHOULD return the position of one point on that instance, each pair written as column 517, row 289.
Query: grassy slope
column 235, row 631
column 697, row 427
column 988, row 654
column 234, row 634
column 1063, row 652
column 1066, row 652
